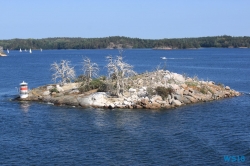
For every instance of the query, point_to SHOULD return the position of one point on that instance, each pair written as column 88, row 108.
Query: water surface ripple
column 198, row 134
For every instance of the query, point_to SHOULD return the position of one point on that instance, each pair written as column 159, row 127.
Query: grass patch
column 191, row 83
column 204, row 90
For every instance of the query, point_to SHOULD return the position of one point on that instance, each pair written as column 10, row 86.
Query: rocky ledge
column 154, row 90
column 2, row 54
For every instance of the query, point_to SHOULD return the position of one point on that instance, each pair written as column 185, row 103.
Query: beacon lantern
column 23, row 90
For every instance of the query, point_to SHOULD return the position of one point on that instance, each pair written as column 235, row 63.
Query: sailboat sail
column 30, row 50
column 8, row 51
column 20, row 50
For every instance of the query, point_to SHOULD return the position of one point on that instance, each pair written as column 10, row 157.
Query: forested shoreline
column 117, row 42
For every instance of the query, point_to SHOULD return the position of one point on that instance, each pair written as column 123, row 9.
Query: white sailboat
column 30, row 50
column 20, row 50
column 25, row 50
column 8, row 51
column 41, row 50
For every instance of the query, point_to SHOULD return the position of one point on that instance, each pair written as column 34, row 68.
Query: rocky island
column 150, row 90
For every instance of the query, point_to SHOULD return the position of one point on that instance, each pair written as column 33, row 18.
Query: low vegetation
column 54, row 90
column 164, row 92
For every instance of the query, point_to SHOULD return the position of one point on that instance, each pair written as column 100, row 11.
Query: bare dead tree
column 62, row 71
column 126, row 70
column 114, row 72
column 90, row 69
column 120, row 70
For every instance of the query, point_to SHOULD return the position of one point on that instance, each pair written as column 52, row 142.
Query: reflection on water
column 99, row 118
column 25, row 106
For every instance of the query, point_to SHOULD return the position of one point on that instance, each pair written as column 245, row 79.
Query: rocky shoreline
column 2, row 54
column 155, row 90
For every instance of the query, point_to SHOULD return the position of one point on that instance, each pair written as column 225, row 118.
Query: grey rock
column 191, row 99
column 169, row 97
column 176, row 103
column 211, row 83
column 70, row 100
column 47, row 98
column 46, row 93
column 219, row 94
column 182, row 99
column 74, row 91
column 84, row 101
column 50, row 87
column 185, row 92
column 59, row 88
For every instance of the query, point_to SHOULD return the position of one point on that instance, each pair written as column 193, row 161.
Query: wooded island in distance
column 118, row 42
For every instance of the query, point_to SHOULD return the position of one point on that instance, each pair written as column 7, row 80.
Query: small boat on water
column 41, row 50
column 30, row 50
column 163, row 57
column 8, row 51
column 25, row 50
column 20, row 50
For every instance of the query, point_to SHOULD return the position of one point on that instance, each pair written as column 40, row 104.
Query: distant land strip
column 121, row 42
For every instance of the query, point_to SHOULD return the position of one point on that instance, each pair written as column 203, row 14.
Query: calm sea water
column 198, row 134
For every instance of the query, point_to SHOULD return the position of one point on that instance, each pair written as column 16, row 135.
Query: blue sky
column 148, row 19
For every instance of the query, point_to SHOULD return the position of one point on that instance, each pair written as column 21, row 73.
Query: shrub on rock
column 95, row 84
column 84, row 88
column 164, row 92
column 104, row 87
column 54, row 90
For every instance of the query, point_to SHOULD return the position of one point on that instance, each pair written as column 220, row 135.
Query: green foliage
column 84, row 88
column 164, row 92
column 125, row 42
column 204, row 90
column 105, row 87
column 94, row 84
column 54, row 90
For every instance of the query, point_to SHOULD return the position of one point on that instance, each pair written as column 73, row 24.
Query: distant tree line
column 117, row 42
